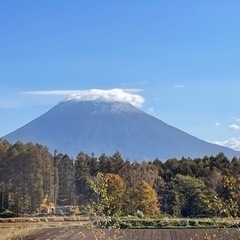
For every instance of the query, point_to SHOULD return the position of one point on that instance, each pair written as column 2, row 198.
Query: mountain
column 106, row 127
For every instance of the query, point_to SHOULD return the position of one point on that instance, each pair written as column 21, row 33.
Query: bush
column 162, row 223
column 207, row 223
column 193, row 222
column 176, row 223
column 125, row 225
column 140, row 214
column 7, row 213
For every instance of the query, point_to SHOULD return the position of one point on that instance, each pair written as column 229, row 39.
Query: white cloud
column 109, row 95
column 122, row 95
column 233, row 143
column 178, row 86
column 217, row 124
column 235, row 127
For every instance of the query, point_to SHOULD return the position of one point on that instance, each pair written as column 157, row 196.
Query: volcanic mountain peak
column 106, row 126
column 98, row 106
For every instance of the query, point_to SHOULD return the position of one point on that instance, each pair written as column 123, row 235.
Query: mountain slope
column 105, row 127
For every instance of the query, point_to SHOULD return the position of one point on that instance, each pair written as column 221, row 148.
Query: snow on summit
column 112, row 95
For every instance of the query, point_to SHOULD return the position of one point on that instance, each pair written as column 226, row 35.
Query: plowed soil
column 76, row 233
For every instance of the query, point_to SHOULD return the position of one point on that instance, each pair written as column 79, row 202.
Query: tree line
column 31, row 177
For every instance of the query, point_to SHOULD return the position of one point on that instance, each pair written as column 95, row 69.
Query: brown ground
column 76, row 233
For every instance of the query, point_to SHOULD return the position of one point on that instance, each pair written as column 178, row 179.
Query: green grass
column 178, row 223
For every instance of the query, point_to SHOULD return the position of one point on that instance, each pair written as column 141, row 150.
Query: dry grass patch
column 19, row 228
column 17, row 232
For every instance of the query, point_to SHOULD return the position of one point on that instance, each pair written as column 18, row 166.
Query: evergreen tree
column 192, row 194
column 4, row 146
column 85, row 169
column 66, row 174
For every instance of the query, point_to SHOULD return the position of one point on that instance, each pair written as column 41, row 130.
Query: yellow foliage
column 148, row 200
column 115, row 191
column 46, row 206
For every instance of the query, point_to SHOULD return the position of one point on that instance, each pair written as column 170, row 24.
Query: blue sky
column 183, row 57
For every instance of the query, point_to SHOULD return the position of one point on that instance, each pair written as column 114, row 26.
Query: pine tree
column 66, row 173
column 4, row 146
column 85, row 169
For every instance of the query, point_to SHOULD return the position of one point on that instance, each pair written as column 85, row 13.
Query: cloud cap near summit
column 115, row 94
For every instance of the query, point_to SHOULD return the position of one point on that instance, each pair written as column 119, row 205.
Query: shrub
column 207, row 223
column 193, row 222
column 140, row 214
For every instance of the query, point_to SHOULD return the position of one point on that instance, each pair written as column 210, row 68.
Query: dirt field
column 76, row 233
column 58, row 228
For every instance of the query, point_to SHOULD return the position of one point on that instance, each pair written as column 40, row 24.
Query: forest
column 31, row 180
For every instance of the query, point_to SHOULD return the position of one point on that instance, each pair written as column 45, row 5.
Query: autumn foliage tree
column 115, row 191
column 147, row 199
column 27, row 171
column 102, row 206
